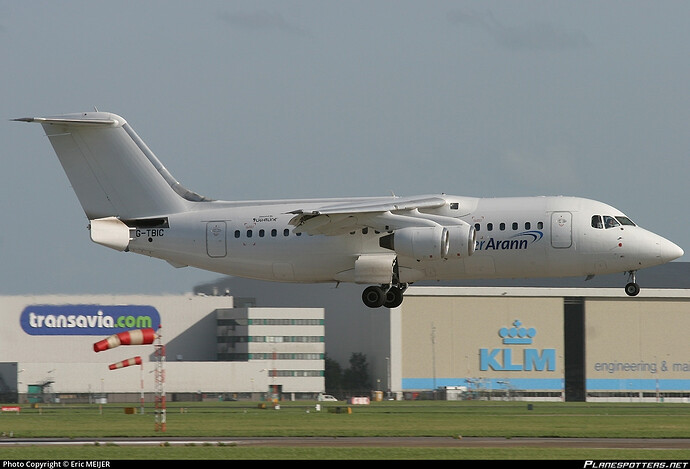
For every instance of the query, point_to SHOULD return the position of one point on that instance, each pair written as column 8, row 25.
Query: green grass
column 407, row 418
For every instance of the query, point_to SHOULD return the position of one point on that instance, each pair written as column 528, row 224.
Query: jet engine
column 462, row 240
column 431, row 242
column 421, row 243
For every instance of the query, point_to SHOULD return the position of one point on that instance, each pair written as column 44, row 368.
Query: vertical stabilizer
column 112, row 171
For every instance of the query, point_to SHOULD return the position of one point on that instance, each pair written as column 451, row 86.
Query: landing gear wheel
column 632, row 289
column 394, row 298
column 373, row 296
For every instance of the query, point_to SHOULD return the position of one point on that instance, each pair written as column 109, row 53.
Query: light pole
column 433, row 355
column 388, row 377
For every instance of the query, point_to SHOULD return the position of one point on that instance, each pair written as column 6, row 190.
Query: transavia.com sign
column 87, row 319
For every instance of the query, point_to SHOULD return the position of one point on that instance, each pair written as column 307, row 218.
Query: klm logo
column 517, row 358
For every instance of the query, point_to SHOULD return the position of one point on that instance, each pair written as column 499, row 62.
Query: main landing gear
column 632, row 288
column 390, row 296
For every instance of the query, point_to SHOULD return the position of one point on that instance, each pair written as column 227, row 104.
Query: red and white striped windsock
column 125, row 363
column 135, row 337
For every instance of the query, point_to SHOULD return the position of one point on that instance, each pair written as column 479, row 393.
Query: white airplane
column 134, row 204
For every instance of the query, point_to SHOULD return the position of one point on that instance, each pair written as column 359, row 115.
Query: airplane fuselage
column 515, row 238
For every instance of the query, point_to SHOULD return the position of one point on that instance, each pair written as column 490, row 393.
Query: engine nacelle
column 432, row 242
column 420, row 243
column 462, row 240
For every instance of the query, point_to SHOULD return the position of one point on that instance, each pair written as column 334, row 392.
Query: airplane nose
column 670, row 251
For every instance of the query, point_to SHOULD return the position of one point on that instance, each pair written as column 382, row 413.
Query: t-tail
column 112, row 171
column 116, row 177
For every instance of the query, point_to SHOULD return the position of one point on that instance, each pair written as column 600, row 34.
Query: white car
column 327, row 397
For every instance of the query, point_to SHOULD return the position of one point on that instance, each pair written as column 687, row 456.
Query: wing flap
column 386, row 216
column 343, row 218
column 397, row 204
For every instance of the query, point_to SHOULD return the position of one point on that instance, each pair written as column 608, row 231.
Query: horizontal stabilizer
column 70, row 121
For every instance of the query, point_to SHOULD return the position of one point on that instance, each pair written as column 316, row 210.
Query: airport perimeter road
column 470, row 442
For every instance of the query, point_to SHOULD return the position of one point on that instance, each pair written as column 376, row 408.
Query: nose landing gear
column 632, row 288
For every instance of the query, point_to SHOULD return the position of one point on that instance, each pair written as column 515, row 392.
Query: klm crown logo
column 517, row 359
column 517, row 334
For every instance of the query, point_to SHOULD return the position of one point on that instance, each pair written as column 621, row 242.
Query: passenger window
column 515, row 225
column 237, row 233
column 489, row 226
column 249, row 233
column 476, row 226
column 274, row 232
column 261, row 233
column 528, row 225
column 286, row 232
column 540, row 225
column 502, row 226
column 596, row 222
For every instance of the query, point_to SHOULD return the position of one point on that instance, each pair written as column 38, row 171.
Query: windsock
column 125, row 363
column 135, row 337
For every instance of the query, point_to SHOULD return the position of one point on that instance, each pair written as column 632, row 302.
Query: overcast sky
column 288, row 99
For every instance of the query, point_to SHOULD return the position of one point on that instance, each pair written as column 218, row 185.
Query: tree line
column 351, row 381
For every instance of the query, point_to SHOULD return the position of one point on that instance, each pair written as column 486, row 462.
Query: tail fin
column 112, row 171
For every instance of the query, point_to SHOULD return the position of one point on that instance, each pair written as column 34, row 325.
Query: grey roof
column 671, row 275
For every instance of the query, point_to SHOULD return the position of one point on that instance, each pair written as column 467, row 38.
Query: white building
column 209, row 348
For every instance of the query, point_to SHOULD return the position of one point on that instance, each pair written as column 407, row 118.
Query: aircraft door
column 561, row 229
column 216, row 239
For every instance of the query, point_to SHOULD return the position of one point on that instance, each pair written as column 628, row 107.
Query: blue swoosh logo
column 534, row 234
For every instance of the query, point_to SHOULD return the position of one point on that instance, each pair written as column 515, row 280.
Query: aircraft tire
column 632, row 289
column 394, row 298
column 373, row 296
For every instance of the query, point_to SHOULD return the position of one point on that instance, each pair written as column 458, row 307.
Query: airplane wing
column 383, row 216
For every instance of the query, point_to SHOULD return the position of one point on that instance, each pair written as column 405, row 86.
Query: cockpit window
column 607, row 221
column 610, row 222
column 625, row 221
